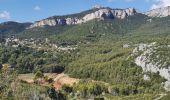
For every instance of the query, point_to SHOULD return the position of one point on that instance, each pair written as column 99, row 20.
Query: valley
column 98, row 54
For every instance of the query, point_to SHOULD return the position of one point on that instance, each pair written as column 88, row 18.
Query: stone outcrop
column 102, row 13
column 159, row 12
column 46, row 22
column 143, row 60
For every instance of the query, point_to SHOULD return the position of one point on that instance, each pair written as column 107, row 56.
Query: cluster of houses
column 37, row 44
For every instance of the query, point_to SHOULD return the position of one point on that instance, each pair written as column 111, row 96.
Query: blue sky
column 33, row 10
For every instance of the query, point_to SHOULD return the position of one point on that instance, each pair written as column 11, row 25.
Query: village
column 39, row 44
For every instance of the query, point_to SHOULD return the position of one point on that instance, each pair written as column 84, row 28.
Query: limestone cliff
column 48, row 22
column 102, row 13
column 159, row 12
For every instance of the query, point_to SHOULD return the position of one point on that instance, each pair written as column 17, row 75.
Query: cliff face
column 49, row 22
column 160, row 12
column 103, row 13
column 108, row 14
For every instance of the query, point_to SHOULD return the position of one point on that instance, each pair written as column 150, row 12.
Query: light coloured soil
column 26, row 77
column 63, row 79
column 59, row 79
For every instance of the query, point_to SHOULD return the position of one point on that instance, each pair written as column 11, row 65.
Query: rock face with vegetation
column 101, row 13
column 152, row 59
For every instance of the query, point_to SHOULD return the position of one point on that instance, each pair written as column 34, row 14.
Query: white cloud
column 37, row 8
column 160, row 3
column 5, row 15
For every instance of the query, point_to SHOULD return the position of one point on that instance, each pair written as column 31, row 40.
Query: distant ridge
column 159, row 12
column 95, row 13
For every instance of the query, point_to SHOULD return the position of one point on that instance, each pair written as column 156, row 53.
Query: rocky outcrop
column 159, row 12
column 102, row 13
column 48, row 22
column 144, row 60
column 109, row 14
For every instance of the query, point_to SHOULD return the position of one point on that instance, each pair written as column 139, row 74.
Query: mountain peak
column 159, row 12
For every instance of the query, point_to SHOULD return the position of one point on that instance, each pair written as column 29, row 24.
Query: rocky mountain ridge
column 159, row 12
column 101, row 13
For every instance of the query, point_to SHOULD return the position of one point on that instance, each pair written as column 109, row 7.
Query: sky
column 34, row 10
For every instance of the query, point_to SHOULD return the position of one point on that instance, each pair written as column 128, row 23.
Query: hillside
column 8, row 28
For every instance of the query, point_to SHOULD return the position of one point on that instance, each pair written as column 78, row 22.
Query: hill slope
column 12, row 27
